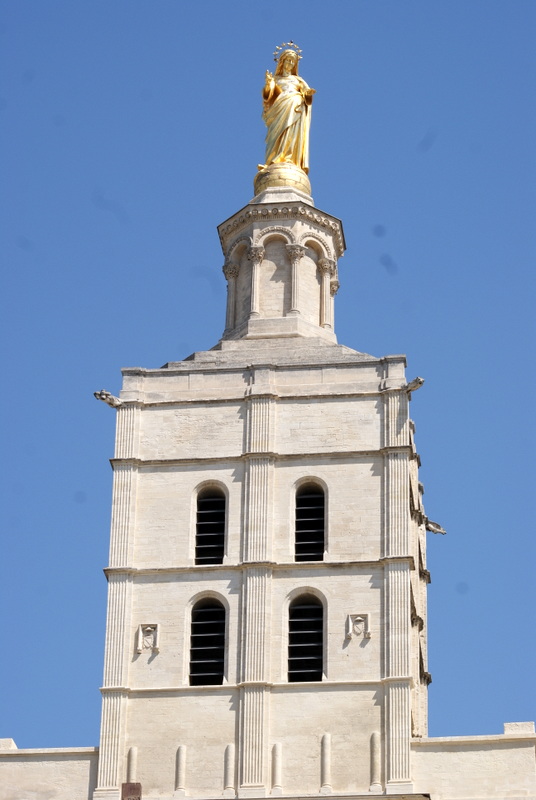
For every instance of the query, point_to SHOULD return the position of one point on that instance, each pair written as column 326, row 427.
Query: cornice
column 295, row 566
column 270, row 212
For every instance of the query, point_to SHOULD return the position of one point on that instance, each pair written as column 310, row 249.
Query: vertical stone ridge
column 126, row 432
column 255, row 631
column 396, row 420
column 123, row 504
column 259, row 478
column 253, row 745
column 398, row 732
column 396, row 534
column 109, row 750
column 260, row 424
column 398, row 626
column 119, row 587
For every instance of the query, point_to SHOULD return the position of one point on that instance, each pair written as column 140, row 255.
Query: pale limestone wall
column 275, row 283
column 300, row 715
column 310, row 287
column 166, row 508
column 461, row 768
column 202, row 719
column 336, row 424
column 342, row 592
column 167, row 599
column 48, row 774
column 195, row 431
column 353, row 505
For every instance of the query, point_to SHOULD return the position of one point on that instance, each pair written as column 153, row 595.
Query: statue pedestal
column 281, row 174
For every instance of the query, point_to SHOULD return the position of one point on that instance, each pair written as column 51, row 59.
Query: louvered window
column 207, row 644
column 305, row 640
column 310, row 511
column 210, row 527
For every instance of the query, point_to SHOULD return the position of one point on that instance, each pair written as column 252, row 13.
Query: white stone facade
column 277, row 405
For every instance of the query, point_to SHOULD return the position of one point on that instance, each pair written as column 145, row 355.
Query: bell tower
column 266, row 624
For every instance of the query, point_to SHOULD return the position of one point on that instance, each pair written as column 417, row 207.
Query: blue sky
column 130, row 130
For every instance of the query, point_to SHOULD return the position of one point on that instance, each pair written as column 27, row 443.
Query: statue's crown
column 286, row 46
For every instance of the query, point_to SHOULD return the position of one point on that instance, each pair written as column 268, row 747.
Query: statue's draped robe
column 288, row 120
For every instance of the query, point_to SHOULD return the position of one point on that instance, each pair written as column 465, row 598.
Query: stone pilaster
column 110, row 750
column 397, row 648
column 253, row 717
column 396, row 503
column 256, row 600
column 114, row 696
column 396, row 419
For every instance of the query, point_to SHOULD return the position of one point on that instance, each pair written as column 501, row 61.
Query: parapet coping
column 218, row 365
column 49, row 751
column 431, row 741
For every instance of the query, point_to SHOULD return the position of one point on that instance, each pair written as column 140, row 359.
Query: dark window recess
column 210, row 528
column 309, row 524
column 207, row 644
column 305, row 640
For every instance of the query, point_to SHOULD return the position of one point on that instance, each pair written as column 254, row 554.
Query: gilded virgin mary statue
column 287, row 103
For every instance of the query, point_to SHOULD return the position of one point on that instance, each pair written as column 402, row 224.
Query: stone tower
column 266, row 628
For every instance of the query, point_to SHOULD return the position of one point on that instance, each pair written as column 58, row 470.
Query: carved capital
column 256, row 254
column 327, row 266
column 295, row 252
column 230, row 270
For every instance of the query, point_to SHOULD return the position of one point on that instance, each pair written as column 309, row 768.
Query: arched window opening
column 207, row 643
column 210, row 527
column 305, row 640
column 310, row 512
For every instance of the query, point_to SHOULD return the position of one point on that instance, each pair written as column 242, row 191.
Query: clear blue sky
column 131, row 129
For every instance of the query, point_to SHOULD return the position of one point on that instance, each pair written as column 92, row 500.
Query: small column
column 180, row 772
column 295, row 252
column 132, row 764
column 229, row 789
column 277, row 762
column 255, row 255
column 327, row 269
column 375, row 764
column 230, row 271
column 325, row 764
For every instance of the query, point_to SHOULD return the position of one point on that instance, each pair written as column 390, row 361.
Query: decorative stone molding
column 358, row 625
column 230, row 270
column 321, row 241
column 327, row 265
column 256, row 254
column 292, row 211
column 286, row 233
column 295, row 252
column 147, row 638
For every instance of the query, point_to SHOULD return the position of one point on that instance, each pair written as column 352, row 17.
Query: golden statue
column 287, row 112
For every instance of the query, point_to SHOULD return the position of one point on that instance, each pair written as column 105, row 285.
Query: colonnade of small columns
column 328, row 287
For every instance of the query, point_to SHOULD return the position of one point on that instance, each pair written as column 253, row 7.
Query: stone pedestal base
column 283, row 174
